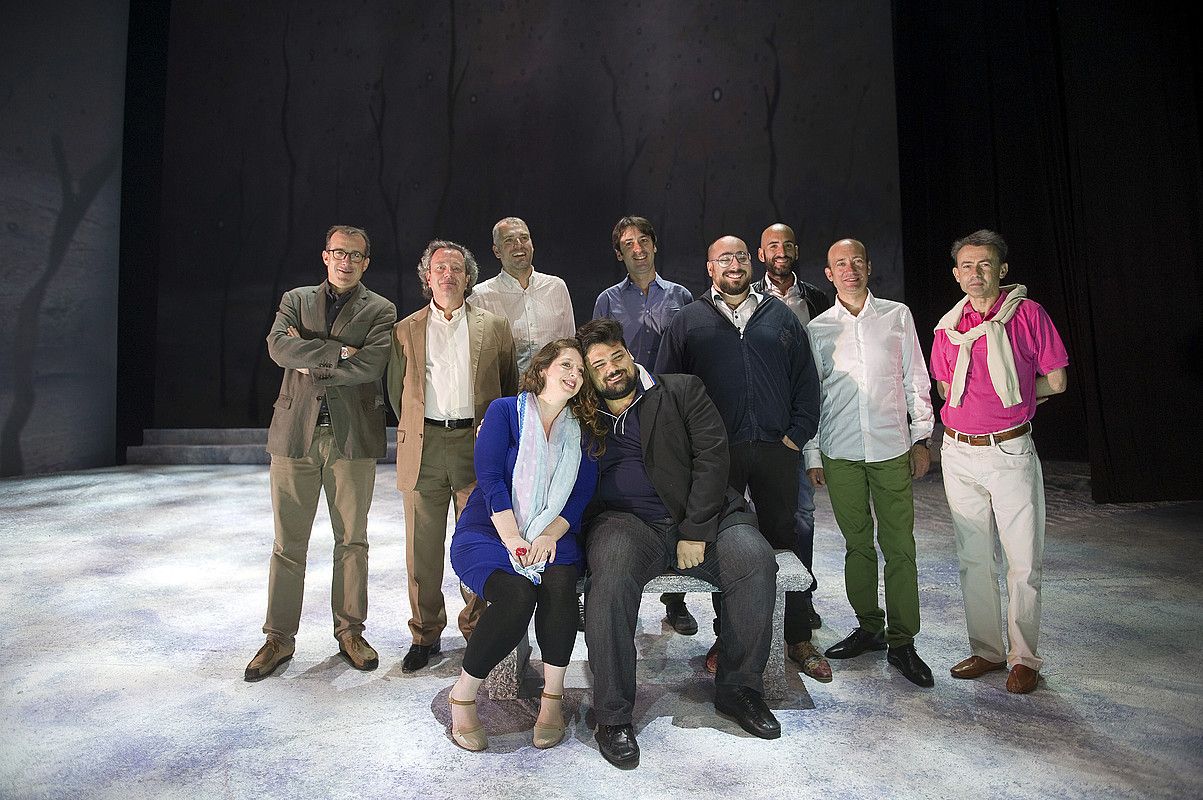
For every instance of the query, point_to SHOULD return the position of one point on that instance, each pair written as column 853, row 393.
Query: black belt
column 449, row 424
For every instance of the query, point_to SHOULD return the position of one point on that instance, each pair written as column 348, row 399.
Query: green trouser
column 850, row 484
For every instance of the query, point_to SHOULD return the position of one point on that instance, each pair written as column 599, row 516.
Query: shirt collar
column 456, row 315
column 717, row 297
column 969, row 309
column 771, row 287
column 869, row 310
column 627, row 283
column 510, row 283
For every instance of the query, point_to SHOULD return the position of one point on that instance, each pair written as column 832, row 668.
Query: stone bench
column 504, row 682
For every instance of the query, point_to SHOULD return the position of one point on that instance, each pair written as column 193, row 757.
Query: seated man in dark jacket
column 660, row 506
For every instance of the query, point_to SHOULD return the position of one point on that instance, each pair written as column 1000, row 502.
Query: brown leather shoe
column 975, row 667
column 712, row 658
column 271, row 655
column 358, row 652
column 807, row 656
column 1022, row 679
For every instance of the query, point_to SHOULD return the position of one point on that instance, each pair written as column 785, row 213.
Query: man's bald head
column 778, row 250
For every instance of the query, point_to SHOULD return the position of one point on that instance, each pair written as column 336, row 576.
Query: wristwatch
column 343, row 355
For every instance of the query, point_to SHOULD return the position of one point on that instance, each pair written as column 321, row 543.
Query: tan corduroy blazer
column 494, row 373
column 352, row 387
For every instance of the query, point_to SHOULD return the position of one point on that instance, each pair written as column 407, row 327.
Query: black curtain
column 1072, row 129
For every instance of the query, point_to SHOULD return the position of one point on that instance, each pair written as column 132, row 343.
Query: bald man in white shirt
column 872, row 378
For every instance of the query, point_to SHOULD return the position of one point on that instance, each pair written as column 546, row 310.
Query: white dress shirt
column 871, row 376
column 792, row 297
column 743, row 312
column 537, row 314
column 448, row 362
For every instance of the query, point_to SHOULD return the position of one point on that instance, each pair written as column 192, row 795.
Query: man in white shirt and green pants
column 872, row 377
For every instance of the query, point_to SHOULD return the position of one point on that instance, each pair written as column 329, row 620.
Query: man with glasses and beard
column 754, row 358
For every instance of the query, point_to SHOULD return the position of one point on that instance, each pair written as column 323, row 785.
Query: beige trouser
column 998, row 491
column 446, row 474
column 296, row 484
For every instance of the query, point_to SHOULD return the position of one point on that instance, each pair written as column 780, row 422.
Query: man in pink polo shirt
column 996, row 356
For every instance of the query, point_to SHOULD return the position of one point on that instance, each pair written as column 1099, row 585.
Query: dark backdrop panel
column 423, row 120
column 1074, row 131
column 62, row 70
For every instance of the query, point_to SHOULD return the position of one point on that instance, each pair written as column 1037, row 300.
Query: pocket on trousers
column 1019, row 447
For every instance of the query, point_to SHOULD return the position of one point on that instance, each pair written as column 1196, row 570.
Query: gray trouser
column 624, row 553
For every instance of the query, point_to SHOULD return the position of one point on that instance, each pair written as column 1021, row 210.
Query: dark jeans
column 768, row 471
column 512, row 600
column 624, row 553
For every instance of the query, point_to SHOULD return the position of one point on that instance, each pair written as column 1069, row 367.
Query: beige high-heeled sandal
column 472, row 739
column 546, row 736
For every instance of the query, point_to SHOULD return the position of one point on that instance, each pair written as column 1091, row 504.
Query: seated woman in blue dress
column 516, row 542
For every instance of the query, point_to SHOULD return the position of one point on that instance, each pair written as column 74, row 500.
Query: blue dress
column 476, row 549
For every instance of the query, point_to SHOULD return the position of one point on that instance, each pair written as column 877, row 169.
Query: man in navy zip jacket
column 754, row 358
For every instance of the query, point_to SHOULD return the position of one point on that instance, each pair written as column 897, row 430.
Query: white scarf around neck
column 1000, row 359
column 544, row 473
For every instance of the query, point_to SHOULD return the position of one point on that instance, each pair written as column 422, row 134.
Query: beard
column 786, row 267
column 617, row 391
column 729, row 286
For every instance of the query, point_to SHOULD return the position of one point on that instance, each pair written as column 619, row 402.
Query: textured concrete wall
column 420, row 119
column 62, row 84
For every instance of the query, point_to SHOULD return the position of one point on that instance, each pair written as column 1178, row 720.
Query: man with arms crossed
column 872, row 376
column 536, row 305
column 327, row 430
column 450, row 360
column 659, row 506
column 996, row 355
column 644, row 303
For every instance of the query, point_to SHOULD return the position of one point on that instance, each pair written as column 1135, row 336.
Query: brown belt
column 989, row 438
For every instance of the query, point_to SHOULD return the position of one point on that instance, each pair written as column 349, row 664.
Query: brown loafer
column 807, row 657
column 358, row 653
column 975, row 667
column 1022, row 679
column 712, row 659
column 271, row 655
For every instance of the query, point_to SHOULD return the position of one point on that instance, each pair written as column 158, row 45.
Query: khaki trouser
column 997, row 492
column 296, row 484
column 446, row 474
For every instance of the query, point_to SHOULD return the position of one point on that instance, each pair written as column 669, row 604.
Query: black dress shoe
column 747, row 708
column 679, row 618
column 618, row 746
column 910, row 665
column 812, row 616
column 419, row 656
column 580, row 613
column 857, row 642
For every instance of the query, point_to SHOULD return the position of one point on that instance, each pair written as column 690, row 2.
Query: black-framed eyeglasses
column 725, row 259
column 339, row 254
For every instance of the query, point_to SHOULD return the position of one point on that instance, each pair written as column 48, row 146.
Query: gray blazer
column 352, row 387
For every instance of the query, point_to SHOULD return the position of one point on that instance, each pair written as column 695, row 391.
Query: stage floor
column 135, row 596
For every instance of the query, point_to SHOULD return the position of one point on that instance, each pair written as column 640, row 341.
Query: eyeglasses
column 339, row 254
column 726, row 258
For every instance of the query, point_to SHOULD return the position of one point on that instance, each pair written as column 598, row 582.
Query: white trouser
column 998, row 488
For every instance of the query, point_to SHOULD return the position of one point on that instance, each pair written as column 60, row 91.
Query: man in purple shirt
column 643, row 303
column 996, row 355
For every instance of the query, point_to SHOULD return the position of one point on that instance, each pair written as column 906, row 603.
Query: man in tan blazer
column 450, row 360
column 327, row 430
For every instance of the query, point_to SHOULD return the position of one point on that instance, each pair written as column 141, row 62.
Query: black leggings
column 512, row 599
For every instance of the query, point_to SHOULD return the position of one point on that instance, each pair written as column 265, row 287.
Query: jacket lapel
column 349, row 310
column 313, row 317
column 417, row 334
column 476, row 331
column 648, row 415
